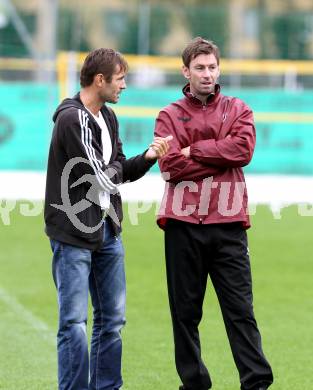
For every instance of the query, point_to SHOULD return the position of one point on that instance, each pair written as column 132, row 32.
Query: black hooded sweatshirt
column 76, row 174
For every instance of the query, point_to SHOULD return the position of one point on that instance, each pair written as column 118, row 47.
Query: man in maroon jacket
column 205, row 217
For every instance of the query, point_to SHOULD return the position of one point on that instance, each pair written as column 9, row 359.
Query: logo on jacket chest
column 184, row 118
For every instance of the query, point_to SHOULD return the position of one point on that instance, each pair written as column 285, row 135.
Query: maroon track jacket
column 208, row 187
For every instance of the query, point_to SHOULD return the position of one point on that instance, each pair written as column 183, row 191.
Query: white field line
column 28, row 317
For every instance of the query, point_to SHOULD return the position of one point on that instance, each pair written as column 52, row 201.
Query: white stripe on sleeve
column 86, row 138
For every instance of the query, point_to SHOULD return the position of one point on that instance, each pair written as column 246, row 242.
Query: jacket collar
column 104, row 111
column 194, row 100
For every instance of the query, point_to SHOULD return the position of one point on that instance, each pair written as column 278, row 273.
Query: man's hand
column 186, row 151
column 158, row 148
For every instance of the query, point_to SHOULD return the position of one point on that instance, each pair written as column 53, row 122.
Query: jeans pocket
column 55, row 245
column 52, row 244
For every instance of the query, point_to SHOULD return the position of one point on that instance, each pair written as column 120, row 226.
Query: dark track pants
column 219, row 250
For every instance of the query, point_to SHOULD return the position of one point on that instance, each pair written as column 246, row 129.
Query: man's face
column 202, row 74
column 110, row 91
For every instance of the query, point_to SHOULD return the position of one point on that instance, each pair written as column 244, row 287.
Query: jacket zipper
column 225, row 113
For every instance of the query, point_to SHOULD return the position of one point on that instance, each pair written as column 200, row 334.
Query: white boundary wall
column 275, row 190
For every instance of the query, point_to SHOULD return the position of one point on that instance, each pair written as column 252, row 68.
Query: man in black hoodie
column 83, row 215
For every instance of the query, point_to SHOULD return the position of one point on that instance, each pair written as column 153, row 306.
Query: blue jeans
column 75, row 271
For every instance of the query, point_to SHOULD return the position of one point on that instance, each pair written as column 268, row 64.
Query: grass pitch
column 282, row 266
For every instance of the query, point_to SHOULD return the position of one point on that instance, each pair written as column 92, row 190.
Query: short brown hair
column 199, row 46
column 102, row 61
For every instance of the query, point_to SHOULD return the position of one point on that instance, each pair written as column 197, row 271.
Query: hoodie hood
column 67, row 103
